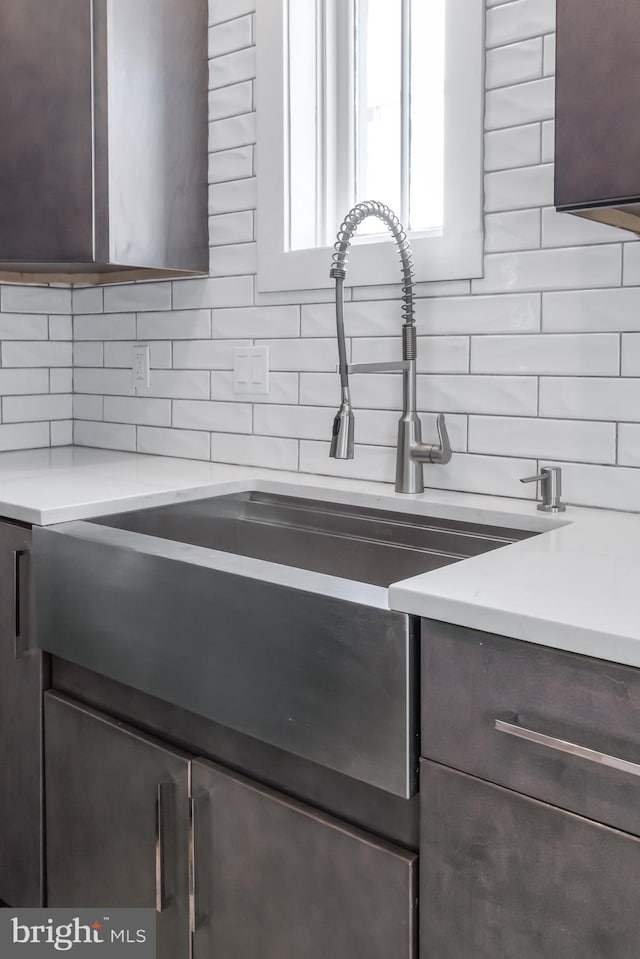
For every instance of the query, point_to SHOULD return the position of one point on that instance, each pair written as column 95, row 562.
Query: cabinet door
column 274, row 879
column 503, row 875
column 46, row 117
column 21, row 681
column 597, row 138
column 117, row 820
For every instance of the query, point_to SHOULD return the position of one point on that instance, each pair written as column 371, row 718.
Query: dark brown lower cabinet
column 271, row 878
column 508, row 877
column 117, row 820
column 22, row 677
column 275, row 879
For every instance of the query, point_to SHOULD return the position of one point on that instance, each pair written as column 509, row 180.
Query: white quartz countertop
column 576, row 586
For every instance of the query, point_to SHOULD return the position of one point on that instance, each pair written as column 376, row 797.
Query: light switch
column 251, row 369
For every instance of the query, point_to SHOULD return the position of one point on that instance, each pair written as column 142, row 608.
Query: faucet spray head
column 342, row 432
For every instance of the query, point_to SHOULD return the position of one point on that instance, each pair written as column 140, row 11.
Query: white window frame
column 455, row 253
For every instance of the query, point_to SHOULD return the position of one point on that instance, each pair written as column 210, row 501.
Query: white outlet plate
column 251, row 370
column 141, row 366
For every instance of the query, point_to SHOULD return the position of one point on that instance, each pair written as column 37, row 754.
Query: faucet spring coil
column 409, row 342
column 347, row 229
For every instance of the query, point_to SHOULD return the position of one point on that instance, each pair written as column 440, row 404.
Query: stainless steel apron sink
column 266, row 613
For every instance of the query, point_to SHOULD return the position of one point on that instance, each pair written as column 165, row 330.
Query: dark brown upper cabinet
column 103, row 166
column 597, row 153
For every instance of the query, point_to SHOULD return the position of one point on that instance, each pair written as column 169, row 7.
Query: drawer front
column 503, row 876
column 553, row 725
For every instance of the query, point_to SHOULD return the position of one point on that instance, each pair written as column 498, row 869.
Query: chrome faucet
column 411, row 452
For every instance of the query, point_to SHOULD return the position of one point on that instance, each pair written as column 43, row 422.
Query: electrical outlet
column 141, row 368
column 251, row 369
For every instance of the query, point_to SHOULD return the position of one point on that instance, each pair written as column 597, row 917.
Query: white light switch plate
column 251, row 369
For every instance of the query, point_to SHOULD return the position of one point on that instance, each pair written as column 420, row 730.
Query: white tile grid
column 35, row 367
column 538, row 361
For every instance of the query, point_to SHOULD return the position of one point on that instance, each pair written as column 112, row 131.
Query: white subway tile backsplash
column 530, row 186
column 132, row 297
column 231, row 228
column 548, row 141
column 18, row 409
column 219, row 417
column 520, row 19
column 629, row 444
column 112, row 326
column 554, row 353
column 238, row 259
column 549, row 55
column 596, row 398
column 591, row 311
column 206, row 354
column 176, row 325
column 269, row 452
column 369, row 461
column 543, row 438
column 189, row 444
column 138, row 410
column 301, row 354
column 517, row 230
column 231, row 101
column 88, row 407
column 61, row 432
column 221, row 10
column 523, row 103
column 607, row 487
column 104, row 382
column 232, row 68
column 60, row 381
column 631, row 269
column 34, row 299
column 570, row 268
column 32, row 353
column 232, row 196
column 229, row 36
column 630, row 365
column 87, row 299
column 512, row 147
column 259, row 321
column 514, row 63
column 24, row 436
column 60, row 327
column 218, row 291
column 231, row 164
column 110, row 436
column 180, row 384
column 232, row 132
column 23, row 326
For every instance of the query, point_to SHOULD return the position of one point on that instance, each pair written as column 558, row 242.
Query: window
column 362, row 100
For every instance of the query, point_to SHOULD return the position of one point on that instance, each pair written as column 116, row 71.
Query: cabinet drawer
column 513, row 713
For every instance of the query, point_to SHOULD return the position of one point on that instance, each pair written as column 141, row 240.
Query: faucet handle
column 442, row 453
column 550, row 479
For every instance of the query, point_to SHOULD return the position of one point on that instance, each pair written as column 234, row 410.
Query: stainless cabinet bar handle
column 511, row 727
column 196, row 916
column 20, row 646
column 162, row 802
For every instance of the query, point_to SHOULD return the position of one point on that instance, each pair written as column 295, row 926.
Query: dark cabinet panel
column 543, row 699
column 277, row 880
column 103, row 168
column 22, row 675
column 507, row 876
column 117, row 820
column 597, row 98
column 45, row 114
